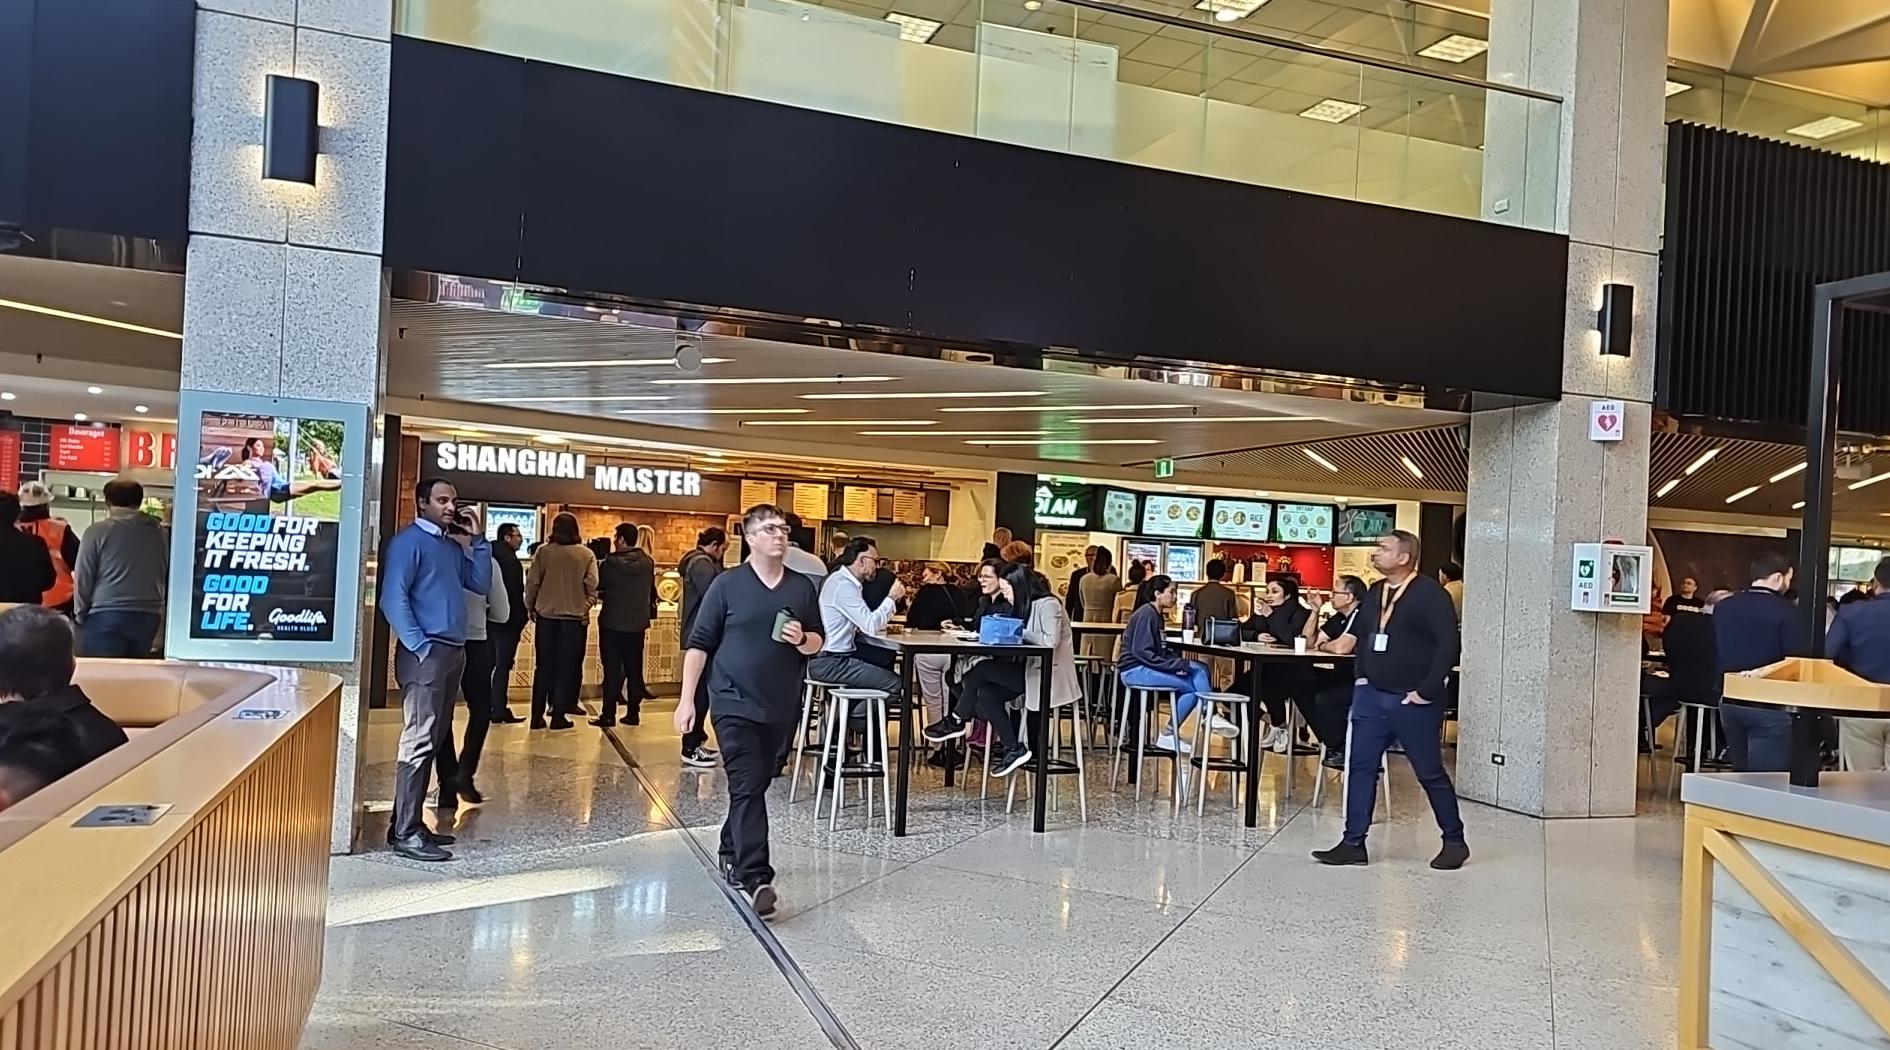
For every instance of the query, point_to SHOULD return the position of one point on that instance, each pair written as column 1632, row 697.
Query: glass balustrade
column 1170, row 88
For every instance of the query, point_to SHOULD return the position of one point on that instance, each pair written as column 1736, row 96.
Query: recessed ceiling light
column 1705, row 458
column 1787, row 472
column 1824, row 128
column 106, row 322
column 584, row 397
column 95, row 390
column 1867, row 482
column 1742, row 493
column 1456, row 48
column 80, row 416
column 1666, row 488
column 1230, row 10
column 774, row 381
column 1033, row 5
column 7, row 395
column 912, row 27
column 1332, row 111
column 1186, row 419
column 627, row 362
column 914, row 395
column 141, row 409
column 1070, row 441
column 1061, row 408
column 1319, row 459
column 1674, row 87
column 951, row 433
column 839, row 422
column 713, row 411
column 1800, row 505
column 1412, row 467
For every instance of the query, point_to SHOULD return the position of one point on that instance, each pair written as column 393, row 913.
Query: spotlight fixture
column 290, row 133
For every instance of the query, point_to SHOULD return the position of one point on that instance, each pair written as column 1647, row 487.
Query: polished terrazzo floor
column 580, row 915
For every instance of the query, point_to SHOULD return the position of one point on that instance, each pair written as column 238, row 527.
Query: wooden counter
column 203, row 929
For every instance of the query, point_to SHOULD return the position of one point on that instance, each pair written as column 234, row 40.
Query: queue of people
column 111, row 581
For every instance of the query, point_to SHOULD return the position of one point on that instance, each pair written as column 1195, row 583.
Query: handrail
column 1252, row 36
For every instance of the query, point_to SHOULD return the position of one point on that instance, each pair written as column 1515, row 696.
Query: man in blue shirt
column 1752, row 629
column 424, row 571
column 1860, row 643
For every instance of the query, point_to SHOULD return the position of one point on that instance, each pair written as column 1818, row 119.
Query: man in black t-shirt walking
column 753, row 633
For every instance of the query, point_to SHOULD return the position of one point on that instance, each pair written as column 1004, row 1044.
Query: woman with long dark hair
column 1149, row 662
column 560, row 590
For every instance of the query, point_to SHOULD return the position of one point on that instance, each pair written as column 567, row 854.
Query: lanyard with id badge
column 1381, row 640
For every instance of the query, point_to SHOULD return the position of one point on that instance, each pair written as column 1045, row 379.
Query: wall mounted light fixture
column 290, row 134
column 1616, row 320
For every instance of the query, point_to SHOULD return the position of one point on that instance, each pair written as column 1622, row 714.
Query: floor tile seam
column 932, row 862
column 416, row 1028
column 798, row 982
column 377, row 915
column 818, row 937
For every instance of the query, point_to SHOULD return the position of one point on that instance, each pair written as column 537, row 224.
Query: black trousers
column 749, row 754
column 989, row 696
column 460, row 767
column 504, row 642
column 1331, row 706
column 622, row 655
column 559, row 649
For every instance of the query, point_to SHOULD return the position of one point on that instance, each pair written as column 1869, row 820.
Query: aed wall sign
column 452, row 457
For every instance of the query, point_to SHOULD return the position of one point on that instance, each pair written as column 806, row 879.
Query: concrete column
column 283, row 289
column 1550, row 696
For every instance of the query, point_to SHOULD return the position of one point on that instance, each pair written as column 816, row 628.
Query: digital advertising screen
column 1303, row 523
column 1182, row 561
column 1241, row 521
column 1178, row 516
column 260, row 529
column 1118, row 510
column 526, row 518
column 1359, row 526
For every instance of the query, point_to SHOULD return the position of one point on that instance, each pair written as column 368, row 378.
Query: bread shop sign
column 453, row 457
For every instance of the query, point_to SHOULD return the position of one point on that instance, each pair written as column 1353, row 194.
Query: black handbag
column 1221, row 632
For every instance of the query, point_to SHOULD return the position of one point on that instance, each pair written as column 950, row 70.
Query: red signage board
column 10, row 460
column 150, row 449
column 85, row 448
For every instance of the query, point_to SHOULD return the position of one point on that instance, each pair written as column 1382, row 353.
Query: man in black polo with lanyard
column 1406, row 644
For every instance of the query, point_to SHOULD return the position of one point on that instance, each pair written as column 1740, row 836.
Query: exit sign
column 1164, row 468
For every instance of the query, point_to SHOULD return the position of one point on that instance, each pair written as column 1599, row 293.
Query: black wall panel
column 505, row 168
column 95, row 115
column 1752, row 226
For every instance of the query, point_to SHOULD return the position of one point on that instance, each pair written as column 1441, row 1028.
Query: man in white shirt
column 800, row 553
column 845, row 615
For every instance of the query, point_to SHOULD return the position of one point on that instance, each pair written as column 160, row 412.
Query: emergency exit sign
column 1164, row 468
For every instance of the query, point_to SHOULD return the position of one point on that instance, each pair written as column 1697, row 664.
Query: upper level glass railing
column 1774, row 111
column 1165, row 89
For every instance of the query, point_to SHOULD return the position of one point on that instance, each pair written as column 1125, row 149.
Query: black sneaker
column 947, row 728
column 946, row 758
column 699, row 757
column 762, row 898
column 1342, row 855
column 1451, row 857
column 1011, row 761
column 1333, row 760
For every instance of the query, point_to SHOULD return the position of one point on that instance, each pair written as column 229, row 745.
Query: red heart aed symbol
column 1607, row 420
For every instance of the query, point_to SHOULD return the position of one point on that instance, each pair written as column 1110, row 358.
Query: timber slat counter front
column 203, row 929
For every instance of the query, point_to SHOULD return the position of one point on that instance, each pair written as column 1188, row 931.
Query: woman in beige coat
column 560, row 590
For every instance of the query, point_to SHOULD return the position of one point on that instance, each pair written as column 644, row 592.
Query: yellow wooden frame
column 1712, row 845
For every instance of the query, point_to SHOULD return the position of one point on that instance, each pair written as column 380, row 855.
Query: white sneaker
column 1278, row 741
column 1222, row 727
column 1167, row 742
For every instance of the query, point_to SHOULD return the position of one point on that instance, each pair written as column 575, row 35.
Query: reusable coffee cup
column 781, row 620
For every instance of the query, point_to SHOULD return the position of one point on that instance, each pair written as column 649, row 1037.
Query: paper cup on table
column 1299, row 645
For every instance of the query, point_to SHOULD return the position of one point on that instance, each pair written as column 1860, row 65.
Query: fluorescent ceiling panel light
column 914, row 395
column 1674, row 87
column 1800, row 505
column 774, row 381
column 1867, row 482
column 713, row 411
column 1666, row 488
column 1230, row 10
column 1319, row 459
column 1705, row 458
column 1062, row 408
column 1456, row 48
column 1742, row 493
column 626, row 362
column 1412, row 467
column 1186, row 419
column 952, row 433
column 839, row 422
column 912, row 27
column 587, row 397
column 1787, row 472
column 1824, row 128
column 1332, row 111
column 1071, row 441
column 104, row 322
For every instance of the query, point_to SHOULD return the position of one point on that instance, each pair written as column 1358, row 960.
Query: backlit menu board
column 1182, row 561
column 1140, row 550
column 908, row 507
column 858, row 503
column 1165, row 515
column 810, row 500
column 1118, row 511
column 84, row 448
column 758, row 492
column 1303, row 523
column 1241, row 521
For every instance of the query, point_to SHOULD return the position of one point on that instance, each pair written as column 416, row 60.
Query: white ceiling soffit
column 1839, row 47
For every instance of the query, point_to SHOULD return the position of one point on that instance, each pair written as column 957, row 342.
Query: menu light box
column 1303, row 523
column 1119, row 508
column 1182, row 517
column 1241, row 521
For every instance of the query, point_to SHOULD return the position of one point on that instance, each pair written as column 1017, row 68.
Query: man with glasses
column 845, row 615
column 753, row 632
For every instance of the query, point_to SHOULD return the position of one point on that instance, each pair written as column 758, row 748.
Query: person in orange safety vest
column 61, row 542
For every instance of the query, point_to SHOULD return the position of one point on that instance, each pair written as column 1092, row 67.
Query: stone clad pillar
column 283, row 288
column 1550, row 697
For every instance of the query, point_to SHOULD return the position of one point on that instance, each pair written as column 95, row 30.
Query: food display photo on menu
column 1182, row 517
column 1303, row 522
column 1241, row 521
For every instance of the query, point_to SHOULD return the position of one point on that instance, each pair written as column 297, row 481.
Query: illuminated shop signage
column 465, row 458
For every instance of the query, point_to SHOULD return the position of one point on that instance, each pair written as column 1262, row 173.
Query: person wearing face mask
column 1280, row 618
column 1332, row 690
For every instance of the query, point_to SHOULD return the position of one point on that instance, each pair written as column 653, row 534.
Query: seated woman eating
column 991, row 685
column 1149, row 662
column 1279, row 619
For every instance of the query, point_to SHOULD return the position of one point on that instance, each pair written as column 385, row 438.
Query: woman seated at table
column 991, row 602
column 936, row 604
column 1149, row 662
column 1331, row 705
column 988, row 688
column 1279, row 619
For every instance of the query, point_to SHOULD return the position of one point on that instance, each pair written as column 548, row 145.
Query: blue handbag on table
column 1000, row 630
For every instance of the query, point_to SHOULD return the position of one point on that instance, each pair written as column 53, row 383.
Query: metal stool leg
column 885, row 760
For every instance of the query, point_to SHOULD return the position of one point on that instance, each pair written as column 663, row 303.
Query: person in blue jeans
column 1405, row 644
column 1149, row 662
column 118, row 584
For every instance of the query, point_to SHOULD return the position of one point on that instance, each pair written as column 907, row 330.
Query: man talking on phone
column 753, row 633
column 425, row 571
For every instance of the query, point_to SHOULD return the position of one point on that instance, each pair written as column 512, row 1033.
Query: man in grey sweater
column 120, row 580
